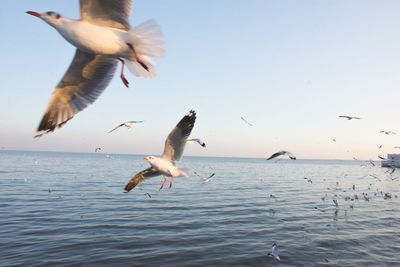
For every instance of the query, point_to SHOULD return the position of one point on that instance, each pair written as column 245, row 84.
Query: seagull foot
column 170, row 182
column 162, row 185
column 138, row 60
column 124, row 80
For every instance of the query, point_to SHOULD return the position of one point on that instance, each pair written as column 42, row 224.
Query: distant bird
column 282, row 152
column 173, row 150
column 205, row 179
column 387, row 132
column 248, row 123
column 103, row 37
column 372, row 163
column 335, row 202
column 97, row 149
column 308, row 180
column 190, row 141
column 381, row 157
column 350, row 117
column 333, row 140
column 274, row 252
column 127, row 124
column 380, row 146
column 147, row 194
column 355, row 158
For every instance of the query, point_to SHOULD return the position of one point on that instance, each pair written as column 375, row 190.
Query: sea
column 69, row 209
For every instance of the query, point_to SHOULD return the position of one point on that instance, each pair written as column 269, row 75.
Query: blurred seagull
column 333, row 140
column 173, row 150
column 380, row 146
column 190, row 141
column 127, row 124
column 103, row 37
column 381, row 157
column 350, row 117
column 205, row 179
column 387, row 132
column 274, row 252
column 97, row 149
column 248, row 123
column 282, row 152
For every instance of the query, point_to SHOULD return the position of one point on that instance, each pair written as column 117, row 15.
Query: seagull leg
column 162, row 185
column 124, row 80
column 137, row 58
column 170, row 182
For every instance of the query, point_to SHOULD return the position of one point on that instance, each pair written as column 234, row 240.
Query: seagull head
column 52, row 18
column 150, row 159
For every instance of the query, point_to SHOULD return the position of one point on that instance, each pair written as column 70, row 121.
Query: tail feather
column 147, row 41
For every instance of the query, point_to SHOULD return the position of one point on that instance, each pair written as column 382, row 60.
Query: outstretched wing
column 122, row 124
column 110, row 13
column 140, row 177
column 176, row 140
column 86, row 78
column 277, row 154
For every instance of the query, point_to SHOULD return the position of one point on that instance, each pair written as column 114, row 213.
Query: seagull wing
column 290, row 155
column 176, row 140
column 277, row 154
column 140, row 177
column 133, row 121
column 122, row 124
column 86, row 78
column 110, row 13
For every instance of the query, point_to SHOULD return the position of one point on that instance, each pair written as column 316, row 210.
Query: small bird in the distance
column 97, row 149
column 274, row 252
column 196, row 140
column 333, row 140
column 282, row 152
column 380, row 146
column 387, row 132
column 205, row 179
column 246, row 121
column 127, row 124
column 350, row 117
column 381, row 157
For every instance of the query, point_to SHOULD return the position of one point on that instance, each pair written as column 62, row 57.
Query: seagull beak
column 33, row 13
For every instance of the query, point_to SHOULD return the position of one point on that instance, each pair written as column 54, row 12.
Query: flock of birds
column 94, row 65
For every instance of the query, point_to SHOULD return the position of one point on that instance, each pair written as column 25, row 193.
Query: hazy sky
column 288, row 67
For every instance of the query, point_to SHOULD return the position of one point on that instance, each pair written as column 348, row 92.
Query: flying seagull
column 387, row 132
column 103, row 37
column 97, row 149
column 280, row 153
column 190, row 141
column 248, row 123
column 173, row 150
column 333, row 140
column 274, row 252
column 381, row 157
column 380, row 146
column 205, row 179
column 350, row 117
column 127, row 124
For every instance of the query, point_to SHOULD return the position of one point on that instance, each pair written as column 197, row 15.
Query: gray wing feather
column 86, row 78
column 111, row 13
column 176, row 140
column 140, row 177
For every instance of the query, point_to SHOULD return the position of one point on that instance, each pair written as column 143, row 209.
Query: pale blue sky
column 289, row 67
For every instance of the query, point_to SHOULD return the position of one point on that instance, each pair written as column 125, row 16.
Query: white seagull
column 246, row 121
column 274, row 252
column 127, row 124
column 205, row 179
column 350, row 117
column 103, row 37
column 280, row 153
column 387, row 132
column 197, row 140
column 173, row 150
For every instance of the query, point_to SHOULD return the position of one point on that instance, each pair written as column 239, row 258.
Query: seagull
column 387, row 132
column 280, row 153
column 380, row 146
column 190, row 141
column 248, row 123
column 308, row 179
column 147, row 194
column 127, row 124
column 173, row 150
column 103, row 37
column 350, row 117
column 333, row 140
column 97, row 149
column 381, row 157
column 205, row 179
column 274, row 252
column 336, row 203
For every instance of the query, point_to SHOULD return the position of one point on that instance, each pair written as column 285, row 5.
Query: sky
column 289, row 67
